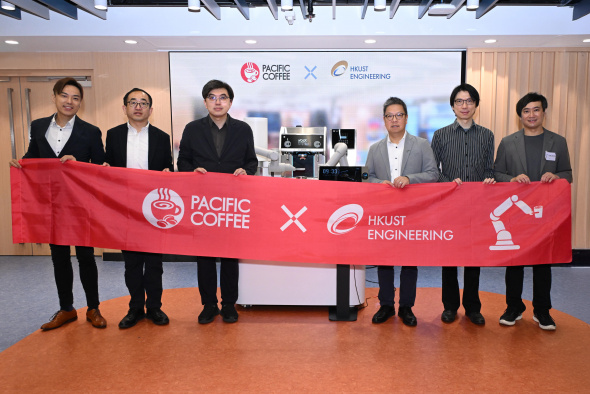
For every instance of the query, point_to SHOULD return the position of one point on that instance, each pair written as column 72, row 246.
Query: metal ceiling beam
column 32, row 7
column 303, row 9
column 63, row 7
column 364, row 9
column 581, row 9
column 13, row 14
column 88, row 6
column 484, row 6
column 423, row 7
column 458, row 4
column 243, row 8
column 393, row 8
column 213, row 8
column 272, row 5
column 333, row 9
column 565, row 2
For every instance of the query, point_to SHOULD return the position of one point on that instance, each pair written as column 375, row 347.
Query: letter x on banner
column 291, row 220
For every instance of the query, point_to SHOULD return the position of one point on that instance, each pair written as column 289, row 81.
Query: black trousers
column 64, row 274
column 450, row 289
column 207, row 277
column 407, row 285
column 541, row 287
column 143, row 277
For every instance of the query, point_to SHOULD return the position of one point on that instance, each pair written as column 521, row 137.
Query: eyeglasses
column 459, row 102
column 398, row 116
column 142, row 104
column 223, row 98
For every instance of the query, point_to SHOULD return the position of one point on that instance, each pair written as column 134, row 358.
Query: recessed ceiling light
column 370, row 41
column 251, row 42
column 11, row 42
column 130, row 42
column 491, row 41
column 7, row 6
column 586, row 40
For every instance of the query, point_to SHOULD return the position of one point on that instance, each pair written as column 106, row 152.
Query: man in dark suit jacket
column 530, row 155
column 138, row 144
column 398, row 160
column 68, row 137
column 217, row 143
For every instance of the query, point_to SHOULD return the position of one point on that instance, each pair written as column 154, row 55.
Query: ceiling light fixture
column 490, row 41
column 7, row 6
column 11, row 42
column 194, row 5
column 370, row 41
column 251, row 42
column 586, row 40
column 442, row 9
column 472, row 4
column 286, row 5
column 379, row 5
column 130, row 42
column 100, row 4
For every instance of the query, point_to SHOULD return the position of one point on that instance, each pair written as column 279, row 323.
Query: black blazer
column 159, row 152
column 198, row 150
column 85, row 143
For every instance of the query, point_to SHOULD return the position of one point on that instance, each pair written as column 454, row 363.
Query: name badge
column 550, row 156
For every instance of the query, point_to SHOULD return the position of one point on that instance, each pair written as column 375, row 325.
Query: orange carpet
column 274, row 349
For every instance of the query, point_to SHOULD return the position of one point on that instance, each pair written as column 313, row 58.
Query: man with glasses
column 138, row 144
column 464, row 152
column 217, row 143
column 533, row 154
column 65, row 136
column 398, row 160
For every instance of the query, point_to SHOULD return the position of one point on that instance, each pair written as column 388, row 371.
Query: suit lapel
column 229, row 136
column 151, row 146
column 547, row 147
column 408, row 145
column 43, row 132
column 519, row 142
column 208, row 136
column 385, row 156
column 76, row 131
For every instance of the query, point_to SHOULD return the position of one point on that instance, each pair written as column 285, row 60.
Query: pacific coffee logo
column 163, row 208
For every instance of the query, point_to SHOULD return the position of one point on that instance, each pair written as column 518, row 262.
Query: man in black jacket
column 217, row 143
column 138, row 144
column 67, row 137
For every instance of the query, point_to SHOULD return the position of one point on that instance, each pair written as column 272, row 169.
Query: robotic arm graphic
column 503, row 236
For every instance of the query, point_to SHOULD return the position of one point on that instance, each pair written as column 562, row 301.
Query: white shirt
column 137, row 147
column 57, row 136
column 396, row 154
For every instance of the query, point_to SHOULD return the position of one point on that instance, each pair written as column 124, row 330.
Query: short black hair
column 465, row 87
column 136, row 90
column 392, row 101
column 217, row 84
column 530, row 98
column 62, row 83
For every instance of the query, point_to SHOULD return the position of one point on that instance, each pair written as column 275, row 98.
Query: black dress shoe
column 133, row 316
column 157, row 316
column 384, row 313
column 405, row 312
column 448, row 316
column 476, row 318
column 229, row 313
column 208, row 314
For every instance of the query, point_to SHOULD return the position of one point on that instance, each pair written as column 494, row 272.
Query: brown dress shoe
column 94, row 317
column 60, row 318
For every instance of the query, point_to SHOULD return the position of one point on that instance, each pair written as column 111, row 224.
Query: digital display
column 346, row 136
column 302, row 142
column 343, row 174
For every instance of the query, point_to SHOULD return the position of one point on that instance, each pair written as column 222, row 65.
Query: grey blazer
column 511, row 157
column 418, row 162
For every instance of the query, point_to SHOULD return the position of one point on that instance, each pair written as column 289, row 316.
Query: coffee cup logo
column 163, row 208
column 250, row 72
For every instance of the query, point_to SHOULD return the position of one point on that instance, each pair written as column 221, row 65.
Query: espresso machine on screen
column 304, row 148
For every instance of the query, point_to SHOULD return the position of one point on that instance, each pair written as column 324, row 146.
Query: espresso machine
column 304, row 148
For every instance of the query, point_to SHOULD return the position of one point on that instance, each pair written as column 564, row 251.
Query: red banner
column 293, row 220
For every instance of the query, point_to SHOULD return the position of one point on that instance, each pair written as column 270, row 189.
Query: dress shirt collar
column 143, row 129
column 69, row 125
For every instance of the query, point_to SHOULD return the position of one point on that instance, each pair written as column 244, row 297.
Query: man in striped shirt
column 464, row 152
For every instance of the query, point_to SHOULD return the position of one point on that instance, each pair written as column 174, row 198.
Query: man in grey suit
column 532, row 154
column 398, row 160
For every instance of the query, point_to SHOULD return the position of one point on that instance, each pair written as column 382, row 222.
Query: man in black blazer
column 67, row 137
column 532, row 154
column 138, row 144
column 217, row 143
